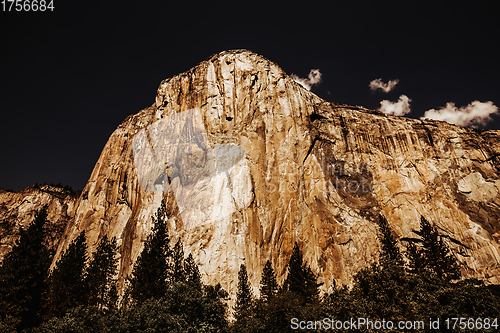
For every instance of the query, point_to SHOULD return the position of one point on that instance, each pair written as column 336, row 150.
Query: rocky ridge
column 17, row 210
column 312, row 172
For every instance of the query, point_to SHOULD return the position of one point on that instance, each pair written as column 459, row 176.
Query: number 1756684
column 27, row 5
column 472, row 323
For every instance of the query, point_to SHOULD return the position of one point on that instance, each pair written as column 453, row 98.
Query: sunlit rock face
column 249, row 163
column 17, row 211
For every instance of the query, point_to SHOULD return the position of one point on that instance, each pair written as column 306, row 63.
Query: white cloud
column 475, row 114
column 399, row 108
column 314, row 77
column 386, row 87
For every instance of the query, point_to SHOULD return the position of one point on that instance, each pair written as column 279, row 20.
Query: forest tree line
column 165, row 293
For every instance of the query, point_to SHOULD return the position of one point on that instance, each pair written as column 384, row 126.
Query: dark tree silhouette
column 434, row 254
column 268, row 285
column 23, row 274
column 416, row 258
column 390, row 253
column 244, row 295
column 300, row 279
column 178, row 272
column 193, row 276
column 65, row 286
column 152, row 270
column 99, row 277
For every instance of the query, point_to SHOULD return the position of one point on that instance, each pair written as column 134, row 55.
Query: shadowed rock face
column 308, row 171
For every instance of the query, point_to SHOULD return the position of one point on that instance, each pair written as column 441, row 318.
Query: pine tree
column 434, row 254
column 269, row 313
column 99, row 276
column 23, row 274
column 244, row 296
column 193, row 276
column 113, row 296
column 416, row 259
column 300, row 279
column 65, row 286
column 268, row 284
column 151, row 270
column 438, row 254
column 178, row 272
column 390, row 253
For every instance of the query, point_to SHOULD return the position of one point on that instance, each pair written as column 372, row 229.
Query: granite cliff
column 249, row 163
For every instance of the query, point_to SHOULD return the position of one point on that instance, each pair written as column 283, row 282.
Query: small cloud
column 385, row 87
column 475, row 114
column 314, row 78
column 399, row 108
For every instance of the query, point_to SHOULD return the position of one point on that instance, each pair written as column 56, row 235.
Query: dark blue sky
column 70, row 77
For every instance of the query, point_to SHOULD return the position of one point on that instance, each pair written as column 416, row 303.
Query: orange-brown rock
column 17, row 210
column 310, row 171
